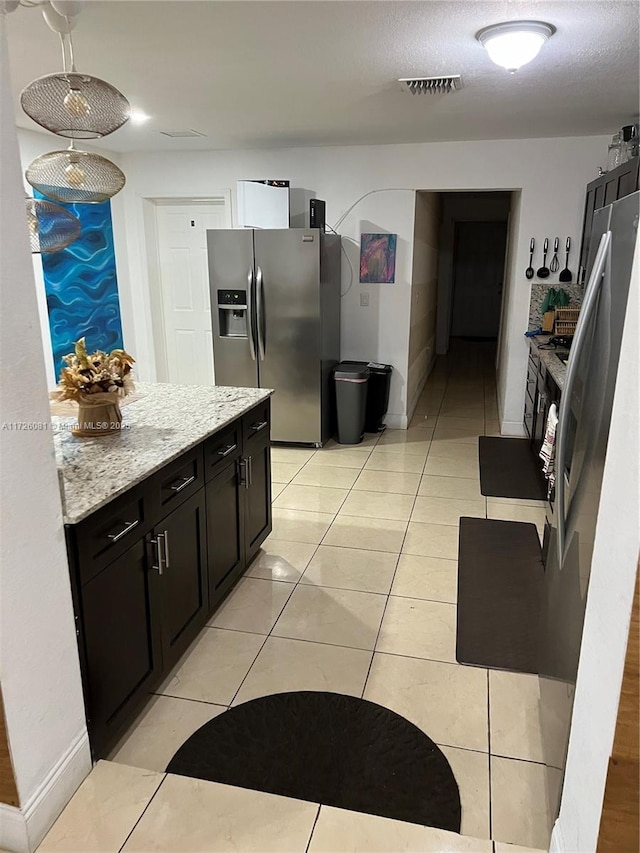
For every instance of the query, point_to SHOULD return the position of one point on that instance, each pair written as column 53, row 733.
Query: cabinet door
column 257, row 515
column 183, row 583
column 121, row 643
column 224, row 529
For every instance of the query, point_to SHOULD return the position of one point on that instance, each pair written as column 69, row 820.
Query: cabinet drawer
column 178, row 481
column 110, row 531
column 256, row 424
column 221, row 449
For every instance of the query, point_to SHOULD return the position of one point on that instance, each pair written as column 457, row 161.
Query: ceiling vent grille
column 431, row 85
column 182, row 134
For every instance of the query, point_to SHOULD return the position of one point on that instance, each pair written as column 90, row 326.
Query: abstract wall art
column 82, row 288
column 378, row 258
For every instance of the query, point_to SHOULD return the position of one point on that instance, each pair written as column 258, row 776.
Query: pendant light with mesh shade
column 73, row 176
column 51, row 227
column 71, row 104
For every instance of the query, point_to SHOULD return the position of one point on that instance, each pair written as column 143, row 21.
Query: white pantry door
column 184, row 281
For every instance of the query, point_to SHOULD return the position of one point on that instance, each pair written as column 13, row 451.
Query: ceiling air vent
column 431, row 85
column 182, row 134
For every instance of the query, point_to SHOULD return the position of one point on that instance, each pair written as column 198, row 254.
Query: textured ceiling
column 274, row 74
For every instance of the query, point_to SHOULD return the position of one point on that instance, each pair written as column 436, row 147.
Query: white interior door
column 186, row 310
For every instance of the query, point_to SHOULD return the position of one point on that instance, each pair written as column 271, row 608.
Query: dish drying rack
column 566, row 321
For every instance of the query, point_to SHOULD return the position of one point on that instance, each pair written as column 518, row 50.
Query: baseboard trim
column 22, row 830
column 514, row 428
column 13, row 830
column 557, row 845
column 396, row 421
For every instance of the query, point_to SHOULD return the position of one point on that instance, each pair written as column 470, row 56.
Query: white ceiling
column 279, row 74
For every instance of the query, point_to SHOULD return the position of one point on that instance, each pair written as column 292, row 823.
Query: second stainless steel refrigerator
column 275, row 305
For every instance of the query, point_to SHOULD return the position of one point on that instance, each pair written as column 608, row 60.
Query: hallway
column 355, row 592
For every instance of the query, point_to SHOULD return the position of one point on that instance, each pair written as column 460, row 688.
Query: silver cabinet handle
column 165, row 543
column 159, row 554
column 252, row 346
column 588, row 305
column 259, row 312
column 128, row 527
column 227, row 450
column 244, row 472
column 179, row 485
column 259, row 425
column 250, row 475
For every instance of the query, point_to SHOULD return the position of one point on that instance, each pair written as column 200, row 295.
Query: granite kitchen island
column 161, row 521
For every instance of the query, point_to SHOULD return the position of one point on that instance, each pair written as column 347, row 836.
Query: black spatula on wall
column 565, row 275
column 543, row 272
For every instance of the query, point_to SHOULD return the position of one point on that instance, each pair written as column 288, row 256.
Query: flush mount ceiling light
column 70, row 104
column 514, row 43
column 51, row 227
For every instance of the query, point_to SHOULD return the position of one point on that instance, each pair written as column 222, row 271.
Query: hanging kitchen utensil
column 543, row 272
column 554, row 266
column 51, row 227
column 565, row 275
column 75, row 176
column 529, row 270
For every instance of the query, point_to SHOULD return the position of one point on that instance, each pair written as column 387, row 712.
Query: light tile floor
column 354, row 592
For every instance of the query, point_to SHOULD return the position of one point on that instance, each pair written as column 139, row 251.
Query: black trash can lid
column 374, row 367
column 351, row 371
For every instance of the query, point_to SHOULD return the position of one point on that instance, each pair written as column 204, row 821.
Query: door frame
column 150, row 206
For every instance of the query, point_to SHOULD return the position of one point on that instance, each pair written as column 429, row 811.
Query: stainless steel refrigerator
column 275, row 306
column 581, row 446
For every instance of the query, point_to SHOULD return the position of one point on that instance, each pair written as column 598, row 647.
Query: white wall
column 424, row 295
column 33, row 144
column 609, row 602
column 39, row 668
column 552, row 174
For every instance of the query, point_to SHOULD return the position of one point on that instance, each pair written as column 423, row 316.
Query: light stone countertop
column 163, row 422
column 549, row 358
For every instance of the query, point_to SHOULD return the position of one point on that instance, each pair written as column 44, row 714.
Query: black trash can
column 377, row 394
column 351, row 381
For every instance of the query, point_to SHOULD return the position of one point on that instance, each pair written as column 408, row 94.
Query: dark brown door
column 224, row 528
column 478, row 275
column 258, row 495
column 121, row 641
column 184, row 576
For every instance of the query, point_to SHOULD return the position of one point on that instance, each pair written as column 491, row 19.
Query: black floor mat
column 508, row 469
column 500, row 575
column 327, row 748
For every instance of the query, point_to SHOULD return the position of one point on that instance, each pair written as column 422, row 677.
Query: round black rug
column 327, row 748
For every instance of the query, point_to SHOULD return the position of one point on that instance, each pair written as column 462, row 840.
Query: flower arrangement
column 95, row 373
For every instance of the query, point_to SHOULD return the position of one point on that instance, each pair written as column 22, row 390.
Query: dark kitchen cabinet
column 179, row 553
column 121, row 644
column 604, row 190
column 225, row 524
column 148, row 568
column 257, row 481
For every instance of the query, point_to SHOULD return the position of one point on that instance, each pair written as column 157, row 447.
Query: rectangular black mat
column 508, row 469
column 500, row 575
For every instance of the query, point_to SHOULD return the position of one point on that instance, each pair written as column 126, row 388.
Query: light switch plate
column 364, row 300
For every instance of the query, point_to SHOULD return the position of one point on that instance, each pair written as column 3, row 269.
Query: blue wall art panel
column 81, row 286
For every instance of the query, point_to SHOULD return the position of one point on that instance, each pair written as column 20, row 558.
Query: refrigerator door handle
column 259, row 312
column 252, row 346
column 588, row 305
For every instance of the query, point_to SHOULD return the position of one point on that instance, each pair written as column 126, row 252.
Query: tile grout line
column 133, row 828
column 489, row 754
column 404, row 538
column 313, row 828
